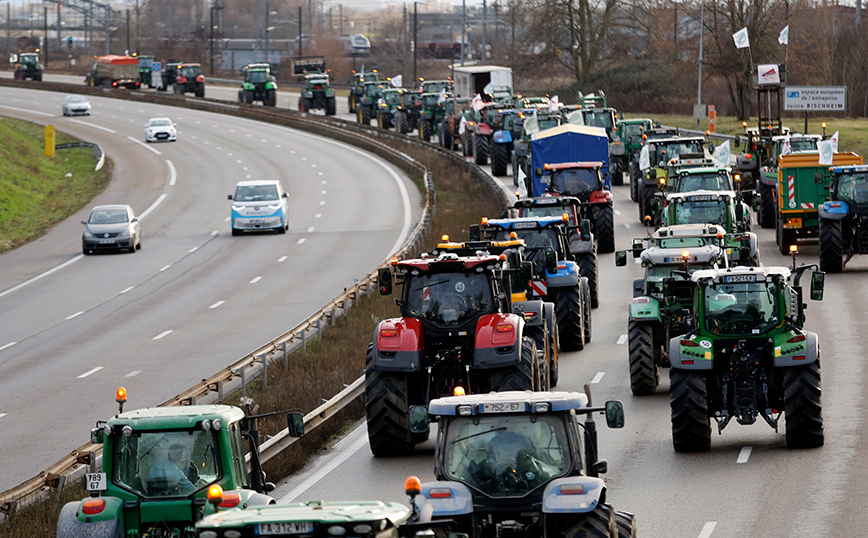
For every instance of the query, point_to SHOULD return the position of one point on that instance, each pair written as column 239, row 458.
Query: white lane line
column 322, row 203
column 328, row 468
column 310, row 229
column 144, row 145
column 193, row 137
column 292, row 151
column 10, row 344
column 192, row 250
column 229, row 154
column 248, row 176
column 300, row 241
column 231, row 130
column 214, row 127
column 126, row 290
column 163, row 334
column 165, row 267
column 3, row 415
column 90, row 372
column 226, row 219
column 622, row 339
column 304, row 158
column 323, row 192
column 75, row 315
column 244, row 167
column 598, row 378
column 744, row 455
column 215, row 233
column 134, row 373
column 173, row 174
column 238, row 161
column 215, row 305
column 708, row 529
column 313, row 166
column 218, row 148
column 37, row 277
column 323, row 182
column 28, row 111
column 249, row 135
column 157, row 202
column 320, row 173
column 207, row 143
column 617, row 212
column 281, row 259
column 95, row 126
column 318, row 215
column 626, row 225
column 278, row 146
column 264, row 141
column 255, row 280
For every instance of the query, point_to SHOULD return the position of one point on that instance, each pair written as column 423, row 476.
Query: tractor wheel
column 688, row 398
column 235, row 232
column 571, row 319
column 554, row 343
column 331, row 106
column 635, row 178
column 617, row 175
column 387, row 408
column 589, row 269
column 248, row 97
column 787, row 237
column 270, row 98
column 625, row 525
column 586, row 308
column 399, row 122
column 466, row 141
column 365, row 113
column 520, row 376
column 37, row 78
column 499, row 159
column 351, row 102
column 831, row 246
column 480, row 150
column 766, row 214
column 200, row 90
column 540, row 337
column 425, row 129
column 803, row 406
column 446, row 137
column 605, row 229
column 598, row 523
column 644, row 371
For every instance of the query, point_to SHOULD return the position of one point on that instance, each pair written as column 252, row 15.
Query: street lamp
column 213, row 27
column 268, row 29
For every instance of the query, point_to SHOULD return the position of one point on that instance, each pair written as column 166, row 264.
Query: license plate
column 106, row 241
column 700, row 198
column 739, row 278
column 520, row 225
column 286, row 527
column 503, row 407
column 94, row 481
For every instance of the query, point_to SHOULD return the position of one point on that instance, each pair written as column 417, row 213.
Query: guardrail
column 94, row 148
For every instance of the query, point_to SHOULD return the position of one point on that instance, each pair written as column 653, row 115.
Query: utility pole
column 701, row 31
column 128, row 28
column 463, row 28
column 404, row 30
column 257, row 25
column 484, row 28
column 8, row 25
column 108, row 29
column 496, row 27
column 57, row 26
column 171, row 19
column 310, row 17
column 267, row 29
column 300, row 40
column 211, row 54
column 45, row 41
column 415, row 44
column 341, row 16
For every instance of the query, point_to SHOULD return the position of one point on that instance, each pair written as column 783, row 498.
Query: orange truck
column 115, row 72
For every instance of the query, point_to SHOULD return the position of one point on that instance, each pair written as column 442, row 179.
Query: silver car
column 75, row 105
column 111, row 227
column 161, row 129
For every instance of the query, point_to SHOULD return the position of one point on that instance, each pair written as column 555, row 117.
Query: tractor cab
column 684, row 176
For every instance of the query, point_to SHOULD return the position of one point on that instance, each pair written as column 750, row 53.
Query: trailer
column 115, row 72
column 472, row 80
column 565, row 144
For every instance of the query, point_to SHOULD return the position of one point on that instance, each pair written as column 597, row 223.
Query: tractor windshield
column 575, row 181
column 599, row 118
column 393, row 98
column 374, row 90
column 548, row 210
column 166, row 463
column 682, row 242
column 430, row 99
column 705, row 212
column 803, row 144
column 853, row 188
column 257, row 77
column 655, row 274
column 437, row 87
column 672, row 150
column 537, row 241
column 548, row 122
column 507, row 455
column 256, row 193
column 703, row 182
column 449, row 298
column 633, row 129
column 741, row 308
column 190, row 71
column 410, row 99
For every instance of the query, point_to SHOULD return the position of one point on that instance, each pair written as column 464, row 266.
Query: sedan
column 160, row 129
column 111, row 227
column 75, row 105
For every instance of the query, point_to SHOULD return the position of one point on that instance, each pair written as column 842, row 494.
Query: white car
column 74, row 105
column 259, row 205
column 161, row 129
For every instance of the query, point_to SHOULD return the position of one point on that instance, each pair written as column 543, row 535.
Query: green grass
column 35, row 192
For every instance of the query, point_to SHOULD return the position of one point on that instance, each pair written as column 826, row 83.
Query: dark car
column 111, row 227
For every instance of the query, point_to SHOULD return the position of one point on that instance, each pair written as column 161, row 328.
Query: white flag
column 488, row 89
column 835, row 142
column 398, row 81
column 442, row 97
column 522, row 189
column 576, row 118
column 644, row 158
column 554, row 104
column 477, row 102
column 531, row 124
column 784, row 38
column 827, row 151
column 741, row 39
column 721, row 155
column 462, row 125
column 787, row 146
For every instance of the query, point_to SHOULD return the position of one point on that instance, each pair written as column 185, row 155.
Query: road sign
column 815, row 98
column 156, row 67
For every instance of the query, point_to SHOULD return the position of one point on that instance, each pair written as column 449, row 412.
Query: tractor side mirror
column 474, row 232
column 818, row 178
column 656, row 206
column 551, row 261
column 737, row 141
column 295, row 424
column 615, row 414
column 818, row 284
column 384, row 280
column 526, row 272
column 638, row 247
column 739, row 214
column 538, row 171
column 585, row 229
column 620, row 258
column 97, row 436
column 710, row 147
column 418, row 418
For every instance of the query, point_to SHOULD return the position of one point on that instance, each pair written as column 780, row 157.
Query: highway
column 195, row 299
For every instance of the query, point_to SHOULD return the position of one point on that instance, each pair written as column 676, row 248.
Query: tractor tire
column 399, row 122
column 248, row 97
column 831, row 246
column 331, row 106
column 554, row 343
column 425, row 130
column 351, row 102
column 499, row 159
column 635, row 178
column 766, row 215
column 617, row 175
column 235, row 232
column 586, row 307
column 588, row 268
column 365, row 114
column 270, row 98
column 446, row 138
column 480, row 150
column 598, row 523
column 541, row 340
column 571, row 319
column 803, row 406
column 691, row 427
column 387, row 410
column 37, row 78
column 176, row 89
column 200, row 90
column 520, row 376
column 605, row 229
column 644, row 371
column 625, row 525
column 466, row 143
column 786, row 237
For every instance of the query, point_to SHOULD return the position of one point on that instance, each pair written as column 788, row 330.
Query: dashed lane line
column 27, row 111
column 163, row 334
column 165, row 267
column 300, row 241
column 215, row 305
column 622, row 339
column 134, row 373
column 598, row 378
column 75, row 315
column 156, row 203
column 744, row 455
column 626, row 225
column 708, row 529
column 282, row 259
column 173, row 174
column 255, row 280
column 95, row 126
column 310, row 229
column 123, row 291
column 10, row 344
column 90, row 372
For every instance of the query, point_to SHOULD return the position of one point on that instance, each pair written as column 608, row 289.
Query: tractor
column 636, row 175
column 407, row 114
column 767, row 182
column 432, row 113
column 371, row 94
column 190, row 80
column 146, row 64
column 626, row 144
column 27, row 66
column 511, row 122
column 317, row 94
column 356, row 83
column 844, row 218
column 259, row 85
column 660, row 153
column 387, row 109
column 169, row 75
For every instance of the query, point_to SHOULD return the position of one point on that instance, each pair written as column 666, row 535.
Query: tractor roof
column 700, row 196
column 548, row 200
column 448, row 262
column 705, row 254
column 741, row 274
column 571, row 165
column 635, row 121
column 701, row 169
column 323, row 513
column 512, row 402
column 526, row 223
column 781, row 138
column 177, row 417
column 688, row 230
column 480, row 247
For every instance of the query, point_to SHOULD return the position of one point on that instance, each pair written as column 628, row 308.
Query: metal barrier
column 97, row 151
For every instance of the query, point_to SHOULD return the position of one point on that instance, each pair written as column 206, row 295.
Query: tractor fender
column 460, row 500
column 753, row 245
column 834, row 210
column 617, row 148
column 644, row 308
column 520, row 149
column 200, row 78
column 555, row 502
column 256, row 499
column 496, row 345
column 550, row 316
column 402, row 352
column 810, row 352
column 769, row 176
column 567, row 275
column 107, row 524
column 638, row 287
column 531, row 311
column 181, row 80
column 696, row 360
column 483, row 129
column 503, row 137
column 601, row 197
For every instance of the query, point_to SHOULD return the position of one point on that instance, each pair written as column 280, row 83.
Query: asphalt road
column 194, row 299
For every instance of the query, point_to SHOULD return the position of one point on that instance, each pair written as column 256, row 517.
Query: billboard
column 807, row 98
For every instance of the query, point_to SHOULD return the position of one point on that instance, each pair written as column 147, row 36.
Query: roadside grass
column 35, row 192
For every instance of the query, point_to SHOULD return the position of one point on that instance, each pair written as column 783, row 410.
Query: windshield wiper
column 478, row 433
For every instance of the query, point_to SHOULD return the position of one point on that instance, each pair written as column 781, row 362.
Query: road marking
column 218, row 148
column 194, row 249
column 292, row 151
column 247, row 176
column 90, row 372
column 231, row 130
column 328, row 468
column 75, row 315
column 255, row 280
column 244, row 167
column 323, row 181
column 10, row 344
column 165, row 267
column 215, row 233
column 264, row 140
column 144, row 145
column 322, row 192
column 304, row 158
column 214, row 127
column 226, row 219
column 163, row 334
column 598, row 378
column 173, row 174
column 708, row 529
column 207, row 143
column 37, row 277
column 95, row 126
column 626, row 225
column 617, row 212
column 310, row 229
column 126, row 290
column 322, row 203
column 33, row 112
column 277, row 145
column 281, row 259
column 3, row 415
column 318, row 215
column 157, row 202
column 238, row 161
column 300, row 241
column 744, row 455
column 229, row 154
column 637, row 260
column 197, row 121
column 622, row 339
column 193, row 137
column 215, row 305
column 134, row 373
column 249, row 135
column 313, row 166
column 320, row 173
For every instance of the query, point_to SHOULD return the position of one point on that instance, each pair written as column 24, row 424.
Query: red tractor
column 190, row 80
column 456, row 334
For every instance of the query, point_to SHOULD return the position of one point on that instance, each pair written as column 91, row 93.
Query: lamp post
column 268, row 29
column 415, row 34
column 213, row 27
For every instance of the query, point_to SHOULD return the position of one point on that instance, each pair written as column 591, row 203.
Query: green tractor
column 432, row 113
column 27, row 66
column 371, row 94
column 317, row 94
column 356, row 84
column 436, row 86
column 747, row 356
column 159, row 464
column 660, row 153
column 259, row 85
column 626, row 144
column 521, row 144
column 388, row 107
column 146, row 64
column 408, row 112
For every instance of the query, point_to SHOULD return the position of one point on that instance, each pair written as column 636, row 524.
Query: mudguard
column 453, row 498
column 503, row 137
column 617, row 148
column 644, row 309
column 556, row 502
column 521, row 148
column 799, row 353
column 200, row 78
column 69, row 526
column 638, row 287
column 181, row 80
column 550, row 316
column 834, row 210
column 483, row 129
column 567, row 275
column 402, row 352
column 531, row 311
column 693, row 358
column 497, row 348
column 768, row 176
column 601, row 197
